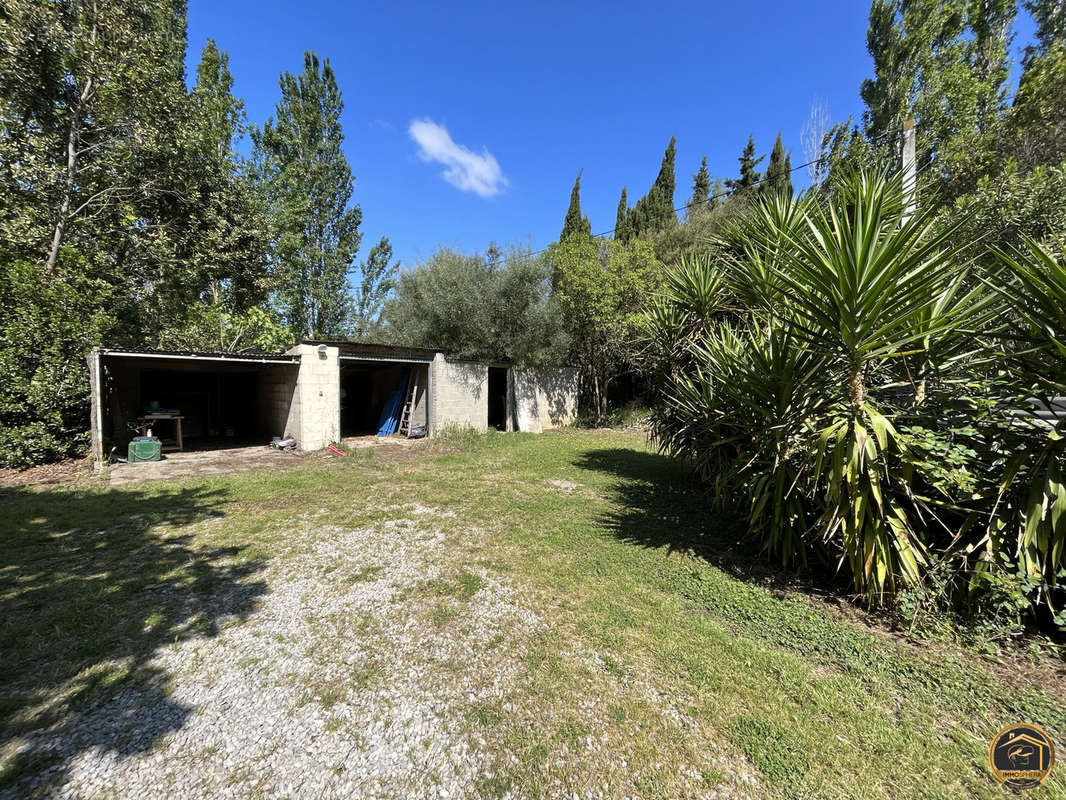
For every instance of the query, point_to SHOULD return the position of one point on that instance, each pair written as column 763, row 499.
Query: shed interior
column 365, row 389
column 222, row 403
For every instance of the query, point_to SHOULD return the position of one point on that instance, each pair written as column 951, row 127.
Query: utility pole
column 910, row 171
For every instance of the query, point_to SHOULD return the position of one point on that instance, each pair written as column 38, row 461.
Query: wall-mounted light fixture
column 322, row 351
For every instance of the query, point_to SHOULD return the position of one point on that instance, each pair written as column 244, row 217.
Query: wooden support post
column 910, row 171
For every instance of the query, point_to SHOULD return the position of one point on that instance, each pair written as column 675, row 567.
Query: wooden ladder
column 408, row 406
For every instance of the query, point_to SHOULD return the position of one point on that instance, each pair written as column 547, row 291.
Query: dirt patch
column 397, row 449
column 72, row 470
column 209, row 463
column 563, row 486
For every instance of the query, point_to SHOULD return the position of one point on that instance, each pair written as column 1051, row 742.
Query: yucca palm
column 777, row 403
column 770, row 387
column 752, row 249
column 1034, row 485
column 864, row 287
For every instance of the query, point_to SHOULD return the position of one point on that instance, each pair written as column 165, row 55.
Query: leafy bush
column 477, row 307
column 48, row 326
column 598, row 293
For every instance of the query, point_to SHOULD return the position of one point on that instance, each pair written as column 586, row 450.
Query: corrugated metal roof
column 377, row 351
column 212, row 355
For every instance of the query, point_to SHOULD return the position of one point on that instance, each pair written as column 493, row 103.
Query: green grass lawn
column 643, row 618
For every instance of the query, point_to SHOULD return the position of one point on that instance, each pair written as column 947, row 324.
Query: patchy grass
column 442, row 614
column 365, row 575
column 659, row 668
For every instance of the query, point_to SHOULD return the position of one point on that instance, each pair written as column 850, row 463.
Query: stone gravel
column 337, row 685
column 341, row 683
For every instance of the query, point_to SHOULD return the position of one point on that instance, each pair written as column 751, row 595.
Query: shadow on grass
column 93, row 586
column 659, row 504
column 662, row 505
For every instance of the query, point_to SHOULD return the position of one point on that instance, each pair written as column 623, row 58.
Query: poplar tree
column 945, row 63
column 308, row 185
column 574, row 222
column 377, row 278
column 1037, row 120
column 1050, row 19
column 228, row 225
column 778, row 179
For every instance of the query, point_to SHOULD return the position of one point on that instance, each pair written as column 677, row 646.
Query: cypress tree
column 622, row 230
column 574, row 222
column 655, row 210
column 701, row 189
column 778, row 171
column 663, row 189
column 717, row 194
column 749, row 176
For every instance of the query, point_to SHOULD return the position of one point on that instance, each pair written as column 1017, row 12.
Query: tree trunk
column 68, row 184
column 596, row 397
column 73, row 139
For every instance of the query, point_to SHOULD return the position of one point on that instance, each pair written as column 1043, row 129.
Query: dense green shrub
column 492, row 307
column 48, row 325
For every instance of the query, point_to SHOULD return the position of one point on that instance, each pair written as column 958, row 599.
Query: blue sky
column 508, row 101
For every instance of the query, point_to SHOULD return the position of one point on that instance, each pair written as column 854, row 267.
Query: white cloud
column 464, row 169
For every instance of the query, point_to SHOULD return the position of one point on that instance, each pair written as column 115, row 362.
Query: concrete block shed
column 318, row 391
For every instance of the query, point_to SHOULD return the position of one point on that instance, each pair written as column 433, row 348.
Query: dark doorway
column 223, row 402
column 498, row 398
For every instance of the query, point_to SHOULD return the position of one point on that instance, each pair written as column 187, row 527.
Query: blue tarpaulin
column 390, row 414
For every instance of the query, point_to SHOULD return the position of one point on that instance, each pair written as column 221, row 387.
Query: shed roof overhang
column 205, row 356
column 360, row 351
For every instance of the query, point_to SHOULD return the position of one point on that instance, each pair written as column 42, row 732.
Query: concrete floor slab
column 204, row 462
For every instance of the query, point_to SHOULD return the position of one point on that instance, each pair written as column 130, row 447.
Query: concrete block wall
column 544, row 398
column 557, row 391
column 460, row 394
column 318, row 396
column 279, row 399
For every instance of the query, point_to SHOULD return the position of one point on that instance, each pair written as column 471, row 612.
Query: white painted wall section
column 318, row 396
column 544, row 398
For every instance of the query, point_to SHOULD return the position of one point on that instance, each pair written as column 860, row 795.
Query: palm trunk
column 856, row 388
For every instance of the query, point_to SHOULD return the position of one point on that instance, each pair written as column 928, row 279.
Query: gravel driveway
column 339, row 684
